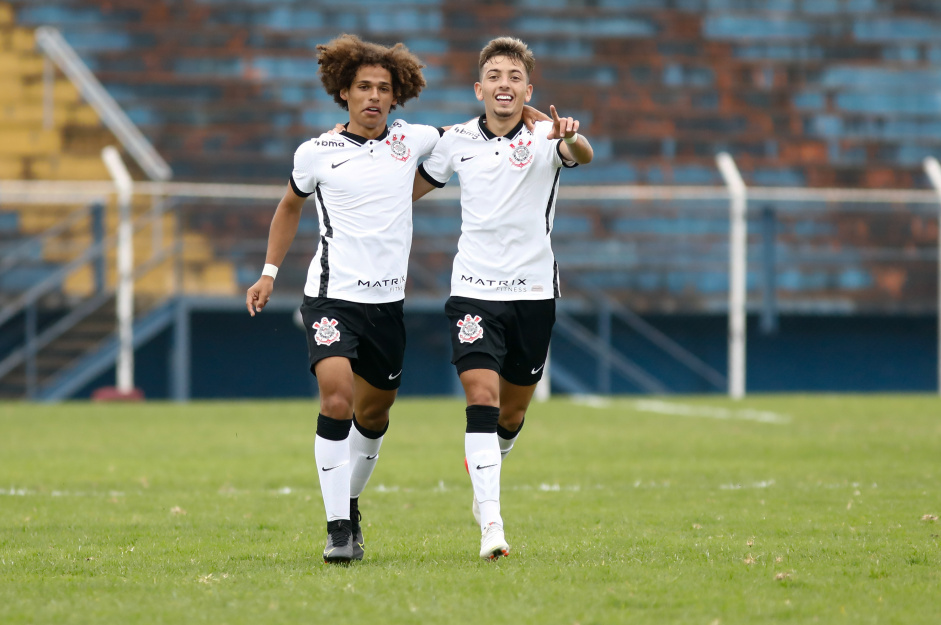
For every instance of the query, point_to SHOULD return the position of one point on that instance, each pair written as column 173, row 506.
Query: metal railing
column 57, row 50
column 790, row 201
column 95, row 254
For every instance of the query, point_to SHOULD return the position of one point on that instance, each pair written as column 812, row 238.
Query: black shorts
column 515, row 335
column 372, row 336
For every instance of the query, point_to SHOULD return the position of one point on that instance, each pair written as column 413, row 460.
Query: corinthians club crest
column 521, row 156
column 400, row 151
column 470, row 329
column 327, row 332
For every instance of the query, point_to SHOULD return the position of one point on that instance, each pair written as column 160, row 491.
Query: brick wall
column 801, row 92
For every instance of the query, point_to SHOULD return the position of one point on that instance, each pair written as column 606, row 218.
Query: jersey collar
column 358, row 140
column 482, row 124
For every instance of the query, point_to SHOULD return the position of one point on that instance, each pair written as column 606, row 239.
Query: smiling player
column 361, row 180
column 505, row 278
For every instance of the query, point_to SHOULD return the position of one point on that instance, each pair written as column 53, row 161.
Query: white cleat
column 493, row 543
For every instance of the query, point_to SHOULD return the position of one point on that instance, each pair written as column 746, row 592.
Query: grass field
column 789, row 509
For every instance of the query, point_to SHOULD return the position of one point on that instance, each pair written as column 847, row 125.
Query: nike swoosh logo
column 485, row 467
column 392, row 377
column 467, row 158
column 335, row 165
column 331, row 468
column 372, row 457
column 536, row 370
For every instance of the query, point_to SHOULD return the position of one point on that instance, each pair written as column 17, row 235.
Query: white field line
column 287, row 490
column 592, row 401
column 686, row 410
column 710, row 412
column 761, row 484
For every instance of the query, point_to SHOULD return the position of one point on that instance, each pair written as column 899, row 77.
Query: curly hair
column 510, row 47
column 341, row 58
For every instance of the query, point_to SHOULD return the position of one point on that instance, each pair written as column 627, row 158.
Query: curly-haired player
column 361, row 181
column 341, row 59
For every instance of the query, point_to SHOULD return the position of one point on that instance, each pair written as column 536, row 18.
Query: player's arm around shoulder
column 429, row 175
column 574, row 147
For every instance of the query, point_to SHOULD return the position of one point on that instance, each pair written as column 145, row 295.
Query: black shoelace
column 355, row 516
column 339, row 532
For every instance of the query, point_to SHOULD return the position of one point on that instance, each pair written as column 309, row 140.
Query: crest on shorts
column 400, row 151
column 327, row 332
column 521, row 156
column 471, row 329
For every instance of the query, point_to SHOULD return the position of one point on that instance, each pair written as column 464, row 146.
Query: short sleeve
column 437, row 169
column 429, row 139
column 552, row 147
column 303, row 180
column 559, row 160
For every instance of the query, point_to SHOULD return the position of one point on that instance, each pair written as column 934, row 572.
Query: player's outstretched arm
column 280, row 236
column 565, row 128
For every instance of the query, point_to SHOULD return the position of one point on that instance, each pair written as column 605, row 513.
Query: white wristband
column 270, row 270
column 572, row 139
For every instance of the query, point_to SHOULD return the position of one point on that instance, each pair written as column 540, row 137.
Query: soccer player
column 505, row 278
column 361, row 180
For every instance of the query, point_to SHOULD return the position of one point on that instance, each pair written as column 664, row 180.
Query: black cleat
column 339, row 549
column 356, row 518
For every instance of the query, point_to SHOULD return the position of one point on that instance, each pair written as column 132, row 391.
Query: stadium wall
column 235, row 356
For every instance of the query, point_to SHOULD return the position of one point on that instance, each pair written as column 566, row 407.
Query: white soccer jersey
column 363, row 194
column 509, row 187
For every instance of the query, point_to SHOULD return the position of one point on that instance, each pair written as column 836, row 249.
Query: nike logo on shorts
column 536, row 370
column 335, row 165
column 467, row 158
column 392, row 377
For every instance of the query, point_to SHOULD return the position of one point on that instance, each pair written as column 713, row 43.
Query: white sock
column 364, row 453
column 506, row 444
column 333, row 466
column 483, row 463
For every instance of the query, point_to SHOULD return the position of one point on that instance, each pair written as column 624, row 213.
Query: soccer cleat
column 339, row 549
column 356, row 519
column 493, row 543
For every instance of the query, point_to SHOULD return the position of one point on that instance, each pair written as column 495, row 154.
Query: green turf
column 211, row 513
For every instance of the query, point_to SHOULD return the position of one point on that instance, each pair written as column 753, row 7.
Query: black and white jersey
column 363, row 193
column 509, row 187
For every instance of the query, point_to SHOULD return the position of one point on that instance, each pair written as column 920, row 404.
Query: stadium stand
column 54, row 136
column 803, row 93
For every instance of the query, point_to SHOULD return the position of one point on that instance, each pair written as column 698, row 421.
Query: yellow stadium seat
column 65, row 167
column 80, row 283
column 62, row 92
column 28, row 142
column 11, row 89
column 11, row 168
column 23, row 40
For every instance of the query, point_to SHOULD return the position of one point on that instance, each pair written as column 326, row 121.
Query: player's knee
column 482, row 396
column 373, row 418
column 336, row 405
column 511, row 418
